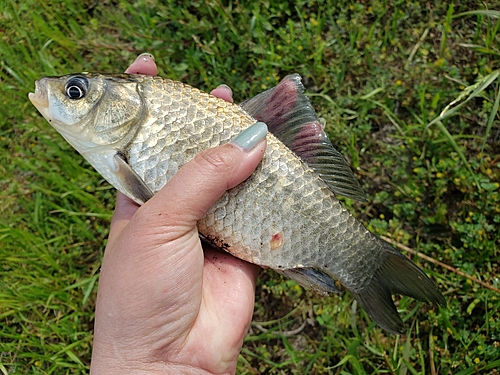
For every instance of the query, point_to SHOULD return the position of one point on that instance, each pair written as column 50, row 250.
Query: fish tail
column 395, row 274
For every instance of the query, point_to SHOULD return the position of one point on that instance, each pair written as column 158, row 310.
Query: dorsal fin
column 291, row 118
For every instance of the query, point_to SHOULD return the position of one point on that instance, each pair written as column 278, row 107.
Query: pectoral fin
column 133, row 185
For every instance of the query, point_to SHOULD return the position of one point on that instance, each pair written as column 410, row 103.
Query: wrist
column 113, row 366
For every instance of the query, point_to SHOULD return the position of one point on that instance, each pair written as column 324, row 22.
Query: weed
column 410, row 94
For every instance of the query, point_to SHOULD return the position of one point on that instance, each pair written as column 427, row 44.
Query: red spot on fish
column 277, row 240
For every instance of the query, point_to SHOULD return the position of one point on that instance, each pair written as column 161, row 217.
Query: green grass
column 410, row 92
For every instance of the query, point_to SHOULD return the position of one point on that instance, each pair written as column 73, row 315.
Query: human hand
column 164, row 305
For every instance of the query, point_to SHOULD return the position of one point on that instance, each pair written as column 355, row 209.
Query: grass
column 410, row 92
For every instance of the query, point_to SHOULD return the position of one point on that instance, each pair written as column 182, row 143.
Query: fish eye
column 77, row 87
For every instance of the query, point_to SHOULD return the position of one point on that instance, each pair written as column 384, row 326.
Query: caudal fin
column 396, row 274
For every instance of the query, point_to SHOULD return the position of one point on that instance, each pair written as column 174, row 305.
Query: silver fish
column 137, row 131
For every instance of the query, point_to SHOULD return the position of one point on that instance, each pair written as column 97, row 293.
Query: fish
column 138, row 130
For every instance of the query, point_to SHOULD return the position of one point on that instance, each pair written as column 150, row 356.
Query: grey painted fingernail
column 224, row 86
column 145, row 54
column 250, row 137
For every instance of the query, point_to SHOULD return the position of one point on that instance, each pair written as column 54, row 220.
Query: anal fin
column 311, row 278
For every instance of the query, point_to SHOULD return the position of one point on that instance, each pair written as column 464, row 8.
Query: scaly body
column 284, row 216
column 137, row 131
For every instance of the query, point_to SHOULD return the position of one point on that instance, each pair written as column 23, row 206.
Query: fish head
column 99, row 115
column 91, row 110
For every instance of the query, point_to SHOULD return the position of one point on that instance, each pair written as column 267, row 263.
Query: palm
column 227, row 304
column 165, row 304
column 211, row 296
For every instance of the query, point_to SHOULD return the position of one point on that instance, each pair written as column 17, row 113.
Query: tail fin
column 396, row 274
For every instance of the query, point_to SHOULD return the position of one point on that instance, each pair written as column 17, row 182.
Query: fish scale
column 137, row 131
column 280, row 169
column 283, row 208
column 184, row 126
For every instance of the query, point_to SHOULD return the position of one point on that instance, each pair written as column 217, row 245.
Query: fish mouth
column 40, row 98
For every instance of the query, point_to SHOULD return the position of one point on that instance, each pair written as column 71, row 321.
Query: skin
column 165, row 304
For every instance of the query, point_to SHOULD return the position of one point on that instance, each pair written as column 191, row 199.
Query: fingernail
column 145, row 55
column 250, row 137
column 223, row 86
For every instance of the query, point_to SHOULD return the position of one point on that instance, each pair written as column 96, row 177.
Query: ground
column 410, row 94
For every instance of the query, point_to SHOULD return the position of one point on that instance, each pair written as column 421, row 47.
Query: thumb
column 201, row 182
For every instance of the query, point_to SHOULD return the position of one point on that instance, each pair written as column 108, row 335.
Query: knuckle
column 217, row 160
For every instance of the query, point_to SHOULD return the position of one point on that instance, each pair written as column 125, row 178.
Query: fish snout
column 40, row 98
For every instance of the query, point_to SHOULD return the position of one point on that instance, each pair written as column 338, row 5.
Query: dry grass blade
column 441, row 264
